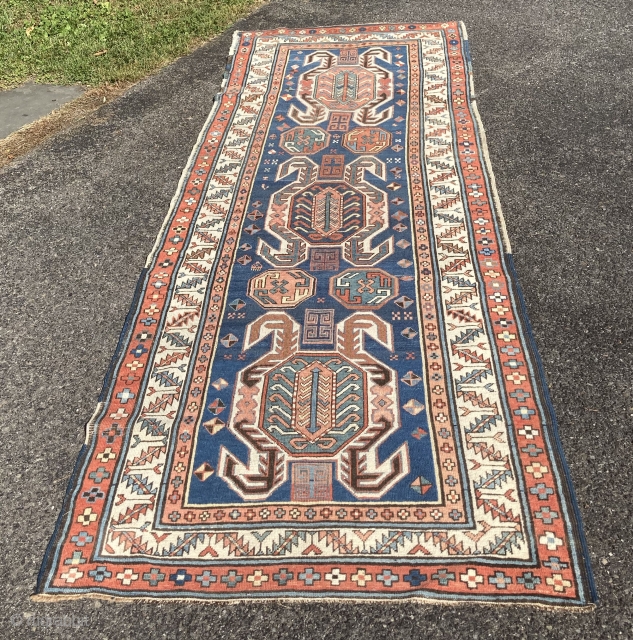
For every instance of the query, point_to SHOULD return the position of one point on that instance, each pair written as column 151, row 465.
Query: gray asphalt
column 79, row 216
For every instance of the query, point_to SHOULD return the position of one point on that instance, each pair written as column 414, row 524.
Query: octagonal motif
column 363, row 288
column 327, row 212
column 314, row 404
column 281, row 288
column 367, row 140
column 304, row 140
column 343, row 88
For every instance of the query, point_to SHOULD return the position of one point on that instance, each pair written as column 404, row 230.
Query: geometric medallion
column 336, row 405
column 281, row 288
column 344, row 88
column 304, row 140
column 367, row 140
column 311, row 481
column 363, row 288
column 327, row 212
column 318, row 326
column 319, row 420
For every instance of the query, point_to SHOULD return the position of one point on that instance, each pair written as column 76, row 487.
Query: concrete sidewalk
column 80, row 215
column 29, row 102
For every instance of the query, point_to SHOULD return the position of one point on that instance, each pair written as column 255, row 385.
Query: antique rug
column 326, row 387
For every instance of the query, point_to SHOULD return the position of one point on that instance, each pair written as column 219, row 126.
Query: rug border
column 540, row 380
column 575, row 521
column 108, row 382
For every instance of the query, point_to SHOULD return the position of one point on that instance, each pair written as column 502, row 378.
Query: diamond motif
column 409, row 332
column 204, row 471
column 421, row 485
column 404, row 263
column 403, row 244
column 237, row 304
column 220, row 384
column 413, row 407
column 411, row 378
column 404, row 302
column 214, row 425
column 229, row 340
column 217, row 407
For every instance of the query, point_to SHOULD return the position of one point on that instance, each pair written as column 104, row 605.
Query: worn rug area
column 326, row 387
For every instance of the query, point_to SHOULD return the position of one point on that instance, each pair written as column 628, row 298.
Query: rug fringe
column 235, row 43
column 484, row 146
column 91, row 424
column 493, row 183
column 192, row 156
column 45, row 597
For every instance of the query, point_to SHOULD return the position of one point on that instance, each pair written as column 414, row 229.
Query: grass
column 94, row 42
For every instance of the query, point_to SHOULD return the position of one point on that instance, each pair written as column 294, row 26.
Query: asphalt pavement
column 80, row 214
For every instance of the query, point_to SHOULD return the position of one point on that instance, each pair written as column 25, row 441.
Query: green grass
column 56, row 40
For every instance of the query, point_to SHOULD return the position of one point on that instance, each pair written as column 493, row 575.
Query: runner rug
column 326, row 387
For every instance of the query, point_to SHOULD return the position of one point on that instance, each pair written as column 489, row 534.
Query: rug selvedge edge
column 540, row 380
column 108, row 384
